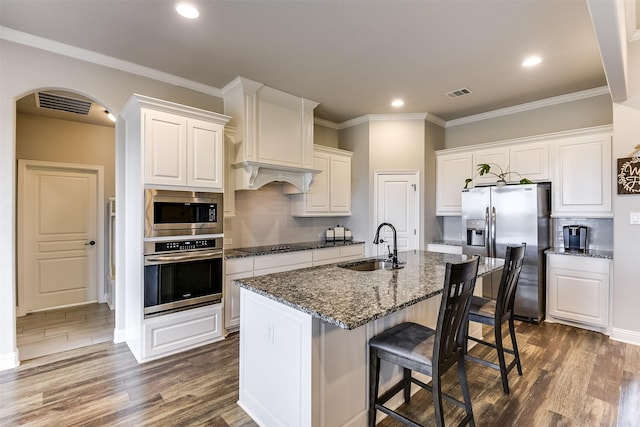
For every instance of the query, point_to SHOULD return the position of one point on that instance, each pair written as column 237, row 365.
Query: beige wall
column 41, row 138
column 433, row 140
column 325, row 136
column 584, row 113
column 626, row 237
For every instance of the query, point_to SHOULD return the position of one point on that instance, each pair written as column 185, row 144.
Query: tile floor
column 55, row 331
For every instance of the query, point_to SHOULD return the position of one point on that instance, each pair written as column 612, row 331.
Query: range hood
column 273, row 138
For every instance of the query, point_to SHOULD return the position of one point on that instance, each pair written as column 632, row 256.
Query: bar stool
column 431, row 352
column 496, row 312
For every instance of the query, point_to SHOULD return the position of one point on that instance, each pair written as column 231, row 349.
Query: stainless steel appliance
column 181, row 274
column 182, row 213
column 495, row 217
column 575, row 237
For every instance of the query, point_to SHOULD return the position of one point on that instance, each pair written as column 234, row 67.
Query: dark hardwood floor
column 572, row 377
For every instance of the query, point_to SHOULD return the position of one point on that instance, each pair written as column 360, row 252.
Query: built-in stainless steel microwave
column 182, row 213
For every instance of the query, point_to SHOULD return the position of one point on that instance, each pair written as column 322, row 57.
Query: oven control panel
column 184, row 245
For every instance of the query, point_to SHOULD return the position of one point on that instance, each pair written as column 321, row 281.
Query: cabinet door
column 340, row 184
column 205, row 155
column 232, row 299
column 530, row 161
column 165, row 149
column 451, row 171
column 582, row 176
column 497, row 158
column 317, row 199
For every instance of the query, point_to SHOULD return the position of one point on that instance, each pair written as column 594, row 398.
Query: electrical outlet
column 634, row 218
column 269, row 332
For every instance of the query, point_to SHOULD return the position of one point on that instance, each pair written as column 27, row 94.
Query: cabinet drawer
column 352, row 250
column 238, row 265
column 568, row 262
column 326, row 254
column 172, row 333
column 289, row 258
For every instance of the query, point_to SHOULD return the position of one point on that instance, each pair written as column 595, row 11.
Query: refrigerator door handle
column 493, row 232
column 486, row 232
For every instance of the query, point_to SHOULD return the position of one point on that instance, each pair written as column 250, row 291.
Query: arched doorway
column 65, row 148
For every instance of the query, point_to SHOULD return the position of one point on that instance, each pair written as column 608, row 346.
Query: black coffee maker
column 575, row 237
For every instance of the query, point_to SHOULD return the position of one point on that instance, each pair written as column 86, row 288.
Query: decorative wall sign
column 629, row 175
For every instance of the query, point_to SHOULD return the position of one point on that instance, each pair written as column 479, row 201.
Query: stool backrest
column 513, row 260
column 453, row 317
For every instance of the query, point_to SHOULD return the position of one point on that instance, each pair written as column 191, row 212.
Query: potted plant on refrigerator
column 485, row 169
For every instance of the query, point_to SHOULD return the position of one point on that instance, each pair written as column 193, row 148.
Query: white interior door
column 58, row 239
column 397, row 204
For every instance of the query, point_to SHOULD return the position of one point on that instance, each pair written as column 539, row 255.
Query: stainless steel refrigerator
column 496, row 217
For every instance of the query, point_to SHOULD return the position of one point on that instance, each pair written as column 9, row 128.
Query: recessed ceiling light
column 531, row 61
column 110, row 116
column 187, row 10
column 397, row 103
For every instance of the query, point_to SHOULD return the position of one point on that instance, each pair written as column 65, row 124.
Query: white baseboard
column 625, row 335
column 9, row 360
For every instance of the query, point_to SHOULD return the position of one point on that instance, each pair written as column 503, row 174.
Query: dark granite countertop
column 349, row 299
column 284, row 248
column 587, row 254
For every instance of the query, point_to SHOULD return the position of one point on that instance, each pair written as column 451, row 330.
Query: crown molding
column 576, row 96
column 380, row 118
column 38, row 42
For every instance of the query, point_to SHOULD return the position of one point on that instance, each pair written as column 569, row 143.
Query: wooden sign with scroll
column 629, row 175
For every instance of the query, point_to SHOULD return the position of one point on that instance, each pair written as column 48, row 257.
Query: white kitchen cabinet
column 330, row 193
column 497, row 157
column 444, row 248
column 275, row 135
column 229, row 172
column 530, row 160
column 451, row 171
column 182, row 152
column 337, row 254
column 578, row 290
column 582, row 176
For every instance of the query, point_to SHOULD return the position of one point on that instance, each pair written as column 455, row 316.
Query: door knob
column 90, row 243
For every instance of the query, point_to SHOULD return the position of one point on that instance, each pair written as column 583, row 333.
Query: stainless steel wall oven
column 182, row 213
column 181, row 274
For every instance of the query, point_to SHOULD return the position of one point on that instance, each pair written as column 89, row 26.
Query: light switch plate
column 634, row 218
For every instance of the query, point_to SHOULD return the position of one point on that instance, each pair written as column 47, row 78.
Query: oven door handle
column 165, row 259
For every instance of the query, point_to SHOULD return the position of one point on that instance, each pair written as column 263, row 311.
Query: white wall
column 25, row 69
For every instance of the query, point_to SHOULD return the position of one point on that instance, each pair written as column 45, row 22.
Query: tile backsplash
column 599, row 237
column 599, row 233
column 263, row 217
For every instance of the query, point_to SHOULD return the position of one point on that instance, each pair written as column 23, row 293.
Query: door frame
column 23, row 167
column 416, row 174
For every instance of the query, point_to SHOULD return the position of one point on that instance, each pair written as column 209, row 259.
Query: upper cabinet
column 582, row 176
column 330, row 193
column 451, row 171
column 578, row 164
column 274, row 140
column 182, row 146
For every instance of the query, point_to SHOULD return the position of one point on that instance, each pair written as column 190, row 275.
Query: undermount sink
column 369, row 265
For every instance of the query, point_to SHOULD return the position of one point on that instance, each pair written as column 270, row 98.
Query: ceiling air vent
column 52, row 101
column 458, row 93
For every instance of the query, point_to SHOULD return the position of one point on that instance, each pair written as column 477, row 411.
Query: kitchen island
column 304, row 334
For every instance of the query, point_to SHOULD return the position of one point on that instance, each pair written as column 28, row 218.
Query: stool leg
column 374, row 377
column 462, row 373
column 407, row 385
column 436, row 390
column 503, row 366
column 512, row 332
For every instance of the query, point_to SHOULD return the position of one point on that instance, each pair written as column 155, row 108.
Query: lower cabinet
column 238, row 268
column 578, row 290
column 171, row 333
